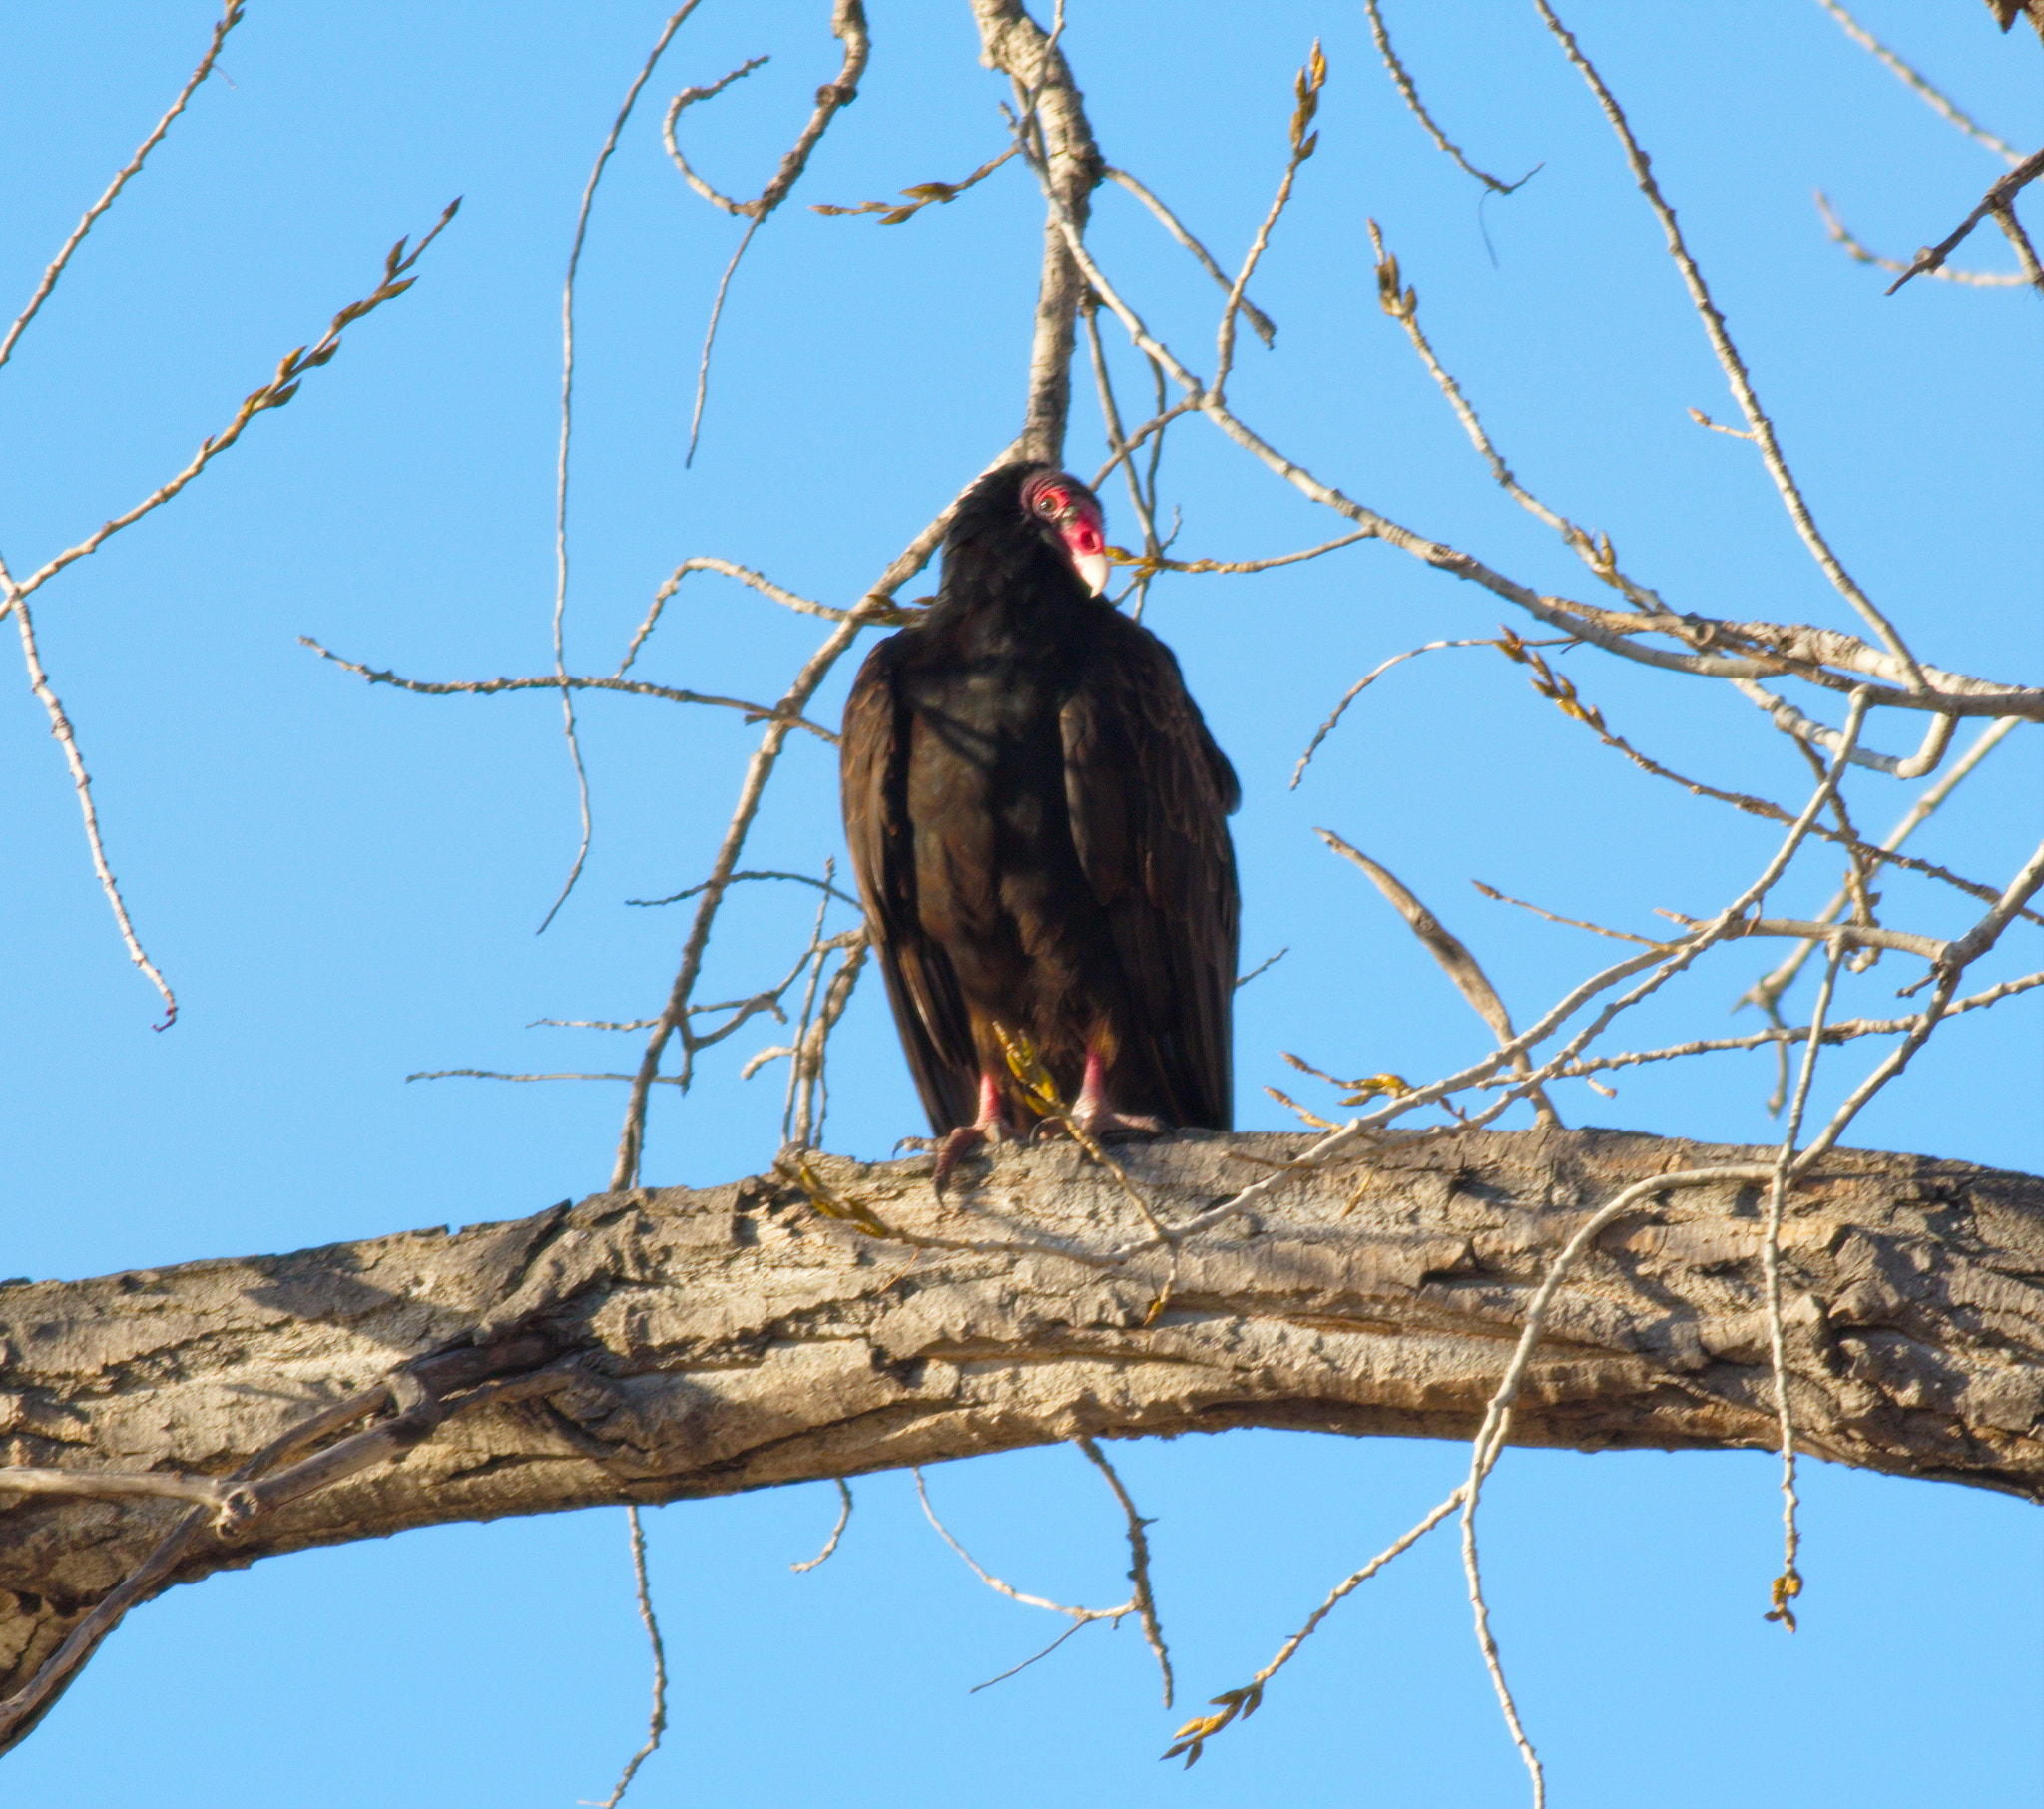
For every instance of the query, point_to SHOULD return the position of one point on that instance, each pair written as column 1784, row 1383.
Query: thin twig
column 1401, row 302
column 1117, row 443
column 1918, row 85
column 230, row 16
column 1077, row 1616
column 848, row 27
column 1453, row 956
column 813, row 1045
column 709, row 341
column 1574, row 923
column 1411, row 94
column 1192, row 1738
column 637, row 688
column 1139, row 1561
column 1371, row 677
column 291, row 371
column 814, row 954
column 688, row 98
column 1772, row 986
column 1303, row 143
column 80, row 780
column 602, row 157
column 2019, row 240
column 1995, row 202
column 655, row 1724
column 488, row 1073
column 920, row 195
column 836, row 1531
column 1840, row 236
column 740, row 879
column 1728, row 360
column 1259, row 323
column 1261, row 967
column 1788, row 1584
column 1233, row 566
column 765, row 586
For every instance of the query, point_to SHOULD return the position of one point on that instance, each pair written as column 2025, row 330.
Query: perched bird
column 1037, row 817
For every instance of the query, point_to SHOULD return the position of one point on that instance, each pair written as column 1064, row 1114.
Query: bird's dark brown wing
column 921, row 986
column 1149, row 794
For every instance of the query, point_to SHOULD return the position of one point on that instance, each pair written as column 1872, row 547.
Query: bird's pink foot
column 1093, row 1115
column 961, row 1143
column 990, row 1128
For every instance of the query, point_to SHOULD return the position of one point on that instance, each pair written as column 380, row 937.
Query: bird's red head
column 1071, row 512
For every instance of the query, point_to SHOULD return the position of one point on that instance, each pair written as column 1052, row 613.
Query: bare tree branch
column 1406, row 88
column 1997, row 202
column 848, row 27
column 1757, row 420
column 1455, row 960
column 603, row 158
column 836, row 1531
column 1767, row 990
column 291, row 370
column 655, row 1724
column 696, row 1344
column 1979, row 279
column 1139, row 1561
column 1259, row 323
column 81, row 782
column 230, row 16
column 1059, row 142
column 1610, row 630
column 1931, row 97
column 635, row 687
column 920, row 195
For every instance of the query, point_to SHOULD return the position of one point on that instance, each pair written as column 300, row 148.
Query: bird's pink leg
column 1091, row 1111
column 990, row 1128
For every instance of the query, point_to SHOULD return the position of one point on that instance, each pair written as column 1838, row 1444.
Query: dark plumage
column 1037, row 817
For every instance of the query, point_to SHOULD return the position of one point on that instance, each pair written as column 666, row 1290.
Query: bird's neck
column 996, row 608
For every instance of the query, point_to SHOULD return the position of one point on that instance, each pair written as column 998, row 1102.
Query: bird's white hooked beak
column 1087, row 544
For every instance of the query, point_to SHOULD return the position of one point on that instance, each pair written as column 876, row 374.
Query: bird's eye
column 1055, row 504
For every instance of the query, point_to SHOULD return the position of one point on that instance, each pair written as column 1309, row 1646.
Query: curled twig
column 836, row 1531
column 1406, row 88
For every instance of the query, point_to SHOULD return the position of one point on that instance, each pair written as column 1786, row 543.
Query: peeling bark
column 678, row 1343
column 1012, row 42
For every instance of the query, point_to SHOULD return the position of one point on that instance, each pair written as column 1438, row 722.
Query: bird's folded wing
column 1148, row 794
column 928, row 1008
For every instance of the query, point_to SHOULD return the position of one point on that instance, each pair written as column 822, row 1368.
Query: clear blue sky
column 343, row 883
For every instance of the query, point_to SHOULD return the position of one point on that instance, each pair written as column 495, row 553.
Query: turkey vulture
column 1037, row 816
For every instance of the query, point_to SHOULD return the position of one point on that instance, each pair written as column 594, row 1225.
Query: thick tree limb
column 1062, row 141
column 733, row 1338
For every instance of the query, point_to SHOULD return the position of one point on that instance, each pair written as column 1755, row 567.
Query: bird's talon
column 960, row 1143
column 1103, row 1124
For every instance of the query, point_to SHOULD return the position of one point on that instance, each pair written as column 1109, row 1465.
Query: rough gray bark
column 1012, row 42
column 664, row 1344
